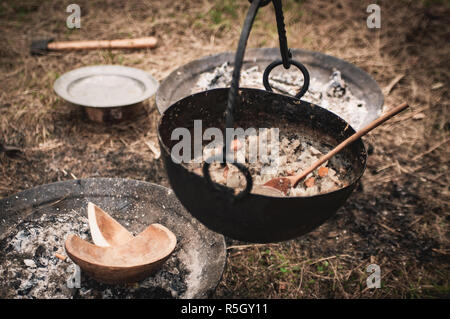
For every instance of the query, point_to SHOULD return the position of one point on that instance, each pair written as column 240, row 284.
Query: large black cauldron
column 258, row 218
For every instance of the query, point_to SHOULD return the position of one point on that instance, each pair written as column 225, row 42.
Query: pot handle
column 231, row 103
column 241, row 167
column 302, row 68
column 286, row 55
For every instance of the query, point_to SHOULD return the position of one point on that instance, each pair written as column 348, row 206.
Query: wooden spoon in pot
column 283, row 184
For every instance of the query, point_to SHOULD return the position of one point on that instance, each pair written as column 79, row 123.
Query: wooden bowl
column 133, row 261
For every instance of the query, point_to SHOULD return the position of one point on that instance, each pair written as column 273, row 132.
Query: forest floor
column 398, row 218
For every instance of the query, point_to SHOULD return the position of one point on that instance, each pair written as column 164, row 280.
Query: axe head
column 40, row 47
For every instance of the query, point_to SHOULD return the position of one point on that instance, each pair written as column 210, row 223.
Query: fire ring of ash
column 334, row 96
column 30, row 269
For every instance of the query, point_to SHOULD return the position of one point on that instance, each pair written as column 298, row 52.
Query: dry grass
column 398, row 219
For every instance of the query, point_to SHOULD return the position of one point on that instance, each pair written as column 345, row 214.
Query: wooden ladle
column 130, row 262
column 283, row 184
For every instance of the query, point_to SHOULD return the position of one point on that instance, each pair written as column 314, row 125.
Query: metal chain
column 238, row 61
column 233, row 91
column 231, row 103
column 262, row 3
column 286, row 54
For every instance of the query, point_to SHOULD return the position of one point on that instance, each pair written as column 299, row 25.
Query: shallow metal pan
column 320, row 66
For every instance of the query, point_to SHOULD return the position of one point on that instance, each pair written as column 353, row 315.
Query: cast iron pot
column 258, row 218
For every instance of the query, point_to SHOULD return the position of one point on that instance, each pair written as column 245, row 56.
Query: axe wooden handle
column 148, row 42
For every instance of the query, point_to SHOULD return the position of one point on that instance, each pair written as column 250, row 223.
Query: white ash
column 296, row 154
column 221, row 77
column 334, row 95
column 29, row 268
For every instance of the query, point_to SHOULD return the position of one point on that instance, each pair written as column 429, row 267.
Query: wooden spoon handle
column 148, row 42
column 351, row 139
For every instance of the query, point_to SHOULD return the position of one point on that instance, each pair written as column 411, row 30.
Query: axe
column 9, row 150
column 41, row 47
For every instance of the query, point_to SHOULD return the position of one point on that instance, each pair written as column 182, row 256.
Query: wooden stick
column 391, row 85
column 61, row 257
column 351, row 139
column 147, row 42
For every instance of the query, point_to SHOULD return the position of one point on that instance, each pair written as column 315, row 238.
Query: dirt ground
column 398, row 218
